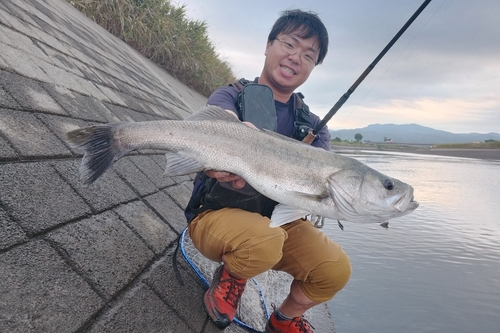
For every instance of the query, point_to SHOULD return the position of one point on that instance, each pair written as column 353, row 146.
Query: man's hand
column 223, row 176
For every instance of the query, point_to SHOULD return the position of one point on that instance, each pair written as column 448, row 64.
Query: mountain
column 411, row 133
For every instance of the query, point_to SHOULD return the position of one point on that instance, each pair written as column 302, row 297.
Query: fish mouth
column 406, row 203
column 413, row 204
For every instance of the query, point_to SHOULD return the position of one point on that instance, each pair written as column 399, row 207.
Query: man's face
column 290, row 60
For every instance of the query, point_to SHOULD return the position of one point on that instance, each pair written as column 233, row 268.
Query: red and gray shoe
column 222, row 298
column 295, row 325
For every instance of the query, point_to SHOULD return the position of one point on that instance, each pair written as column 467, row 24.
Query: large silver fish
column 288, row 171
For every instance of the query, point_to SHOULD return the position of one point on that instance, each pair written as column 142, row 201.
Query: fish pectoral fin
column 313, row 196
column 283, row 214
column 211, row 112
column 178, row 165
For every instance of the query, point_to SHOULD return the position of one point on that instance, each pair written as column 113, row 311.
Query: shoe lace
column 303, row 325
column 300, row 322
column 234, row 291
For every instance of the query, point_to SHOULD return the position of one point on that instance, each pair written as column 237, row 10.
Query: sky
column 443, row 73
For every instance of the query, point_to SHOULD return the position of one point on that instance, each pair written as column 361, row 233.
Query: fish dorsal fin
column 211, row 112
column 178, row 165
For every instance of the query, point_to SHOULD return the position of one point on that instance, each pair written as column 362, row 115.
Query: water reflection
column 435, row 270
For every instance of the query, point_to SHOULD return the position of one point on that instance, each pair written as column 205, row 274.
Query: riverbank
column 484, row 154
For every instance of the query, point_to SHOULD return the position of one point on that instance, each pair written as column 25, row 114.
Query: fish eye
column 388, row 184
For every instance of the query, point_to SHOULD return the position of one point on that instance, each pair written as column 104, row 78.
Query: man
column 236, row 232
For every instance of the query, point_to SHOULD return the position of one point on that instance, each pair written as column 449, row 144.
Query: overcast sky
column 443, row 73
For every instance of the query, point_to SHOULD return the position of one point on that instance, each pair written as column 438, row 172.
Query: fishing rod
column 310, row 137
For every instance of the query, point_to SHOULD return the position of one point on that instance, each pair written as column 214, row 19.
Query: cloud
column 444, row 72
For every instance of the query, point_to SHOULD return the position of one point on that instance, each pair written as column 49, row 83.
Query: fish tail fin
column 100, row 148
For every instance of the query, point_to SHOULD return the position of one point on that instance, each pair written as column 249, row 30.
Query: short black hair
column 305, row 24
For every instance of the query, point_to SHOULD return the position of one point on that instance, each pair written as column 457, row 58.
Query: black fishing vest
column 303, row 119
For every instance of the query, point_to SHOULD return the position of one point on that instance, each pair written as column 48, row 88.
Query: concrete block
column 105, row 250
column 155, row 233
column 105, row 193
column 134, row 176
column 10, row 232
column 3, row 63
column 132, row 102
column 156, row 110
column 180, row 193
column 152, row 170
column 62, row 125
column 6, row 99
column 112, row 95
column 23, row 64
column 55, row 44
column 58, row 58
column 6, row 150
column 4, row 38
column 168, row 209
column 28, row 93
column 16, row 36
column 120, row 112
column 187, row 299
column 40, row 293
column 138, row 116
column 140, row 311
column 29, row 136
column 61, row 77
column 29, row 192
column 87, row 72
column 78, row 105
column 104, row 77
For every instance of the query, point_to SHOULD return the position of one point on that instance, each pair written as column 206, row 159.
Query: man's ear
column 268, row 45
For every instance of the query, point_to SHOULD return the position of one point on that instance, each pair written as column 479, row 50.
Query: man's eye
column 289, row 45
column 309, row 57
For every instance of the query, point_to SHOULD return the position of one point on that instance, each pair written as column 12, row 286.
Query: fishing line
column 312, row 134
column 393, row 62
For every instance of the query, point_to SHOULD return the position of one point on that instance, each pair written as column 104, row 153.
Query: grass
column 162, row 33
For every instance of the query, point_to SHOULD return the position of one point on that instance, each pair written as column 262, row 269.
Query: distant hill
column 411, row 133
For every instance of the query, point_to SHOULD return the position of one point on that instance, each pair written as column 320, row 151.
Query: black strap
column 174, row 261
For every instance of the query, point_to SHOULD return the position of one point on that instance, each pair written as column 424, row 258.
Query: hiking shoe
column 295, row 325
column 222, row 298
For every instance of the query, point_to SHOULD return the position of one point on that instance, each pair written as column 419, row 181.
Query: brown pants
column 252, row 247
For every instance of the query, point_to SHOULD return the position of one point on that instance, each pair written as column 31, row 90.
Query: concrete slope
column 96, row 259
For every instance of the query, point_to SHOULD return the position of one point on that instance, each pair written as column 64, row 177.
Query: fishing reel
column 301, row 131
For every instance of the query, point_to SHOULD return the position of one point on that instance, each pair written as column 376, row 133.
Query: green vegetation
column 358, row 137
column 162, row 33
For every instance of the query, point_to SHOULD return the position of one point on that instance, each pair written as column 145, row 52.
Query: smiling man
column 229, row 220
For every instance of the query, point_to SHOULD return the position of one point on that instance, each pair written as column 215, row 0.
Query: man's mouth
column 287, row 70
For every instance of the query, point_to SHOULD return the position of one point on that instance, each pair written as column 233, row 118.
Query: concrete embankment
column 95, row 259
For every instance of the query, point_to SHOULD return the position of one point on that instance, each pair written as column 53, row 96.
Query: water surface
column 435, row 270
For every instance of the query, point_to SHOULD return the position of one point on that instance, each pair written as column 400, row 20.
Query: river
column 435, row 270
